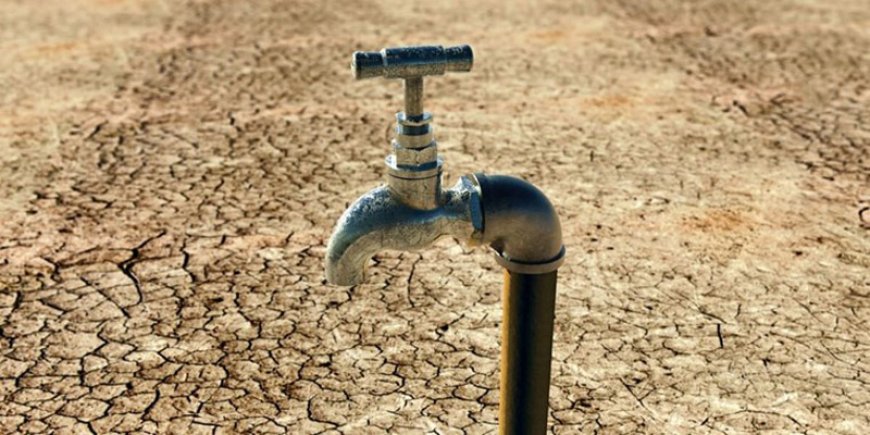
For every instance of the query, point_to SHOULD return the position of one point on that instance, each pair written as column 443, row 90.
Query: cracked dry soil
column 171, row 172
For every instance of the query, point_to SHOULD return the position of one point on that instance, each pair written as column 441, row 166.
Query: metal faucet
column 508, row 214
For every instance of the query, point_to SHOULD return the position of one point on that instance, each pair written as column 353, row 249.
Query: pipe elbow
column 378, row 221
column 520, row 224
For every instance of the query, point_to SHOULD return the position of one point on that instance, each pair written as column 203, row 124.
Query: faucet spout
column 379, row 221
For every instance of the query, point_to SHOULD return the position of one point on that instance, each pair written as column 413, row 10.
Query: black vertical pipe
column 526, row 350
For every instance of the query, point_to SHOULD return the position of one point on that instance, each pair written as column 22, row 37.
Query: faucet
column 511, row 216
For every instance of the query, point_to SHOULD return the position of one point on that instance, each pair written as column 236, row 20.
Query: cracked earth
column 171, row 172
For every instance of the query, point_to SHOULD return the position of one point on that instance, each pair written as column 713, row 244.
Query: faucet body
column 508, row 214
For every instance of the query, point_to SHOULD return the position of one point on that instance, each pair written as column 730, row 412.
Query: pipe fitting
column 520, row 225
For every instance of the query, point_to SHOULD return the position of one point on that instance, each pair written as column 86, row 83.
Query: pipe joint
column 520, row 225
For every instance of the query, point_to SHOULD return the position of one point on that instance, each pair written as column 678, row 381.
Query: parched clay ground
column 172, row 170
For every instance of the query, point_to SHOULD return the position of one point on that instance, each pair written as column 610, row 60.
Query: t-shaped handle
column 411, row 64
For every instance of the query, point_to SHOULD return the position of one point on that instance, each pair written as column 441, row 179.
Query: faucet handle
column 412, row 61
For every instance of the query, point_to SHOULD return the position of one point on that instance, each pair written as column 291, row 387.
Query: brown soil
column 171, row 171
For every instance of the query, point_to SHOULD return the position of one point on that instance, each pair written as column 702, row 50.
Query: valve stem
column 414, row 97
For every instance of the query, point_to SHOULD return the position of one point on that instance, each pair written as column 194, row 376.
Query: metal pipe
column 527, row 339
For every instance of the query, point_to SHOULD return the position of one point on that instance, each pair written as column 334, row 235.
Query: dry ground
column 172, row 170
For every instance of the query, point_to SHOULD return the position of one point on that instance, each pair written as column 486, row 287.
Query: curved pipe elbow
column 520, row 224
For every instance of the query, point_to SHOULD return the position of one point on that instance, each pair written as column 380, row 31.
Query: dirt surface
column 171, row 172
